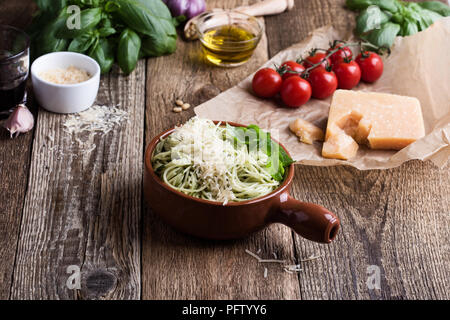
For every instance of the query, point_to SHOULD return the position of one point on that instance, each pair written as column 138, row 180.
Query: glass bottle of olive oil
column 228, row 45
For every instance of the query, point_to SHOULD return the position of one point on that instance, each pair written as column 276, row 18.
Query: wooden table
column 87, row 209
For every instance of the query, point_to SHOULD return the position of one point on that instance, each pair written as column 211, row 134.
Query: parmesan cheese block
column 380, row 120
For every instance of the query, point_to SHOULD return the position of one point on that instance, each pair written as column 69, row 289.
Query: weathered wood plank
column 14, row 166
column 176, row 266
column 83, row 207
column 394, row 219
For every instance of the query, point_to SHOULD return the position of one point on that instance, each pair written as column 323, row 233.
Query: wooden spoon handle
column 267, row 7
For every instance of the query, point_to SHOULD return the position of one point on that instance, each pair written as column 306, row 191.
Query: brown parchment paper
column 419, row 66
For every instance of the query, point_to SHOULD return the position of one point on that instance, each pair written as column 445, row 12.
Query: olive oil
column 228, row 45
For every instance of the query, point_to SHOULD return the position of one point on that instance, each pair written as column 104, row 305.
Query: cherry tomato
column 348, row 74
column 266, row 83
column 292, row 66
column 295, row 91
column 316, row 58
column 371, row 66
column 323, row 83
column 340, row 55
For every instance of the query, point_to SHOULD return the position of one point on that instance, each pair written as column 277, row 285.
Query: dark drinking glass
column 14, row 65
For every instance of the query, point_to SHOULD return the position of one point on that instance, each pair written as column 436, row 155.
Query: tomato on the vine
column 348, row 74
column 339, row 56
column 295, row 91
column 371, row 66
column 266, row 83
column 290, row 65
column 316, row 57
column 323, row 83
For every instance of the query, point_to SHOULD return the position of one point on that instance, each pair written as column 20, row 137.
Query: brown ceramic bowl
column 213, row 220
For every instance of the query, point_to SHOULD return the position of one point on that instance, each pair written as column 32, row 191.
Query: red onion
column 188, row 8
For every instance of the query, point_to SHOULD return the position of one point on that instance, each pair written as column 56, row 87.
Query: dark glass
column 14, row 66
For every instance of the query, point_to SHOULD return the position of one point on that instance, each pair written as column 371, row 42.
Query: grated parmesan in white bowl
column 65, row 82
column 70, row 75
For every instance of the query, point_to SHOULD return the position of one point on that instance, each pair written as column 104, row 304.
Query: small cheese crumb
column 306, row 131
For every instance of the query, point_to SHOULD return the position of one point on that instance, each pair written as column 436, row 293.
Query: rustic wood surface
column 63, row 204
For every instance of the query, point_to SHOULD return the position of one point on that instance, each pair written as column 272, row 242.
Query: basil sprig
column 380, row 21
column 258, row 140
column 109, row 30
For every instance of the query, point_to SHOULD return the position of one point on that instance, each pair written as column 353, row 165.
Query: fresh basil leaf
column 106, row 31
column 112, row 6
column 285, row 158
column 258, row 140
column 151, row 18
column 412, row 12
column 91, row 3
column 385, row 36
column 397, row 18
column 389, row 5
column 51, row 8
column 82, row 43
column 45, row 40
column 103, row 53
column 128, row 50
column 253, row 137
column 89, row 18
column 409, row 27
column 370, row 18
column 275, row 170
column 158, row 46
column 437, row 7
column 429, row 17
column 107, row 22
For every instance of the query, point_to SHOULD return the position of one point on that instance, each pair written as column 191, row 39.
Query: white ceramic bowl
column 65, row 98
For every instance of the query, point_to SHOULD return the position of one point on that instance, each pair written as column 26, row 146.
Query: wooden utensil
column 263, row 8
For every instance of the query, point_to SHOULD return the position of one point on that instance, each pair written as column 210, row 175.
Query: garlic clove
column 21, row 120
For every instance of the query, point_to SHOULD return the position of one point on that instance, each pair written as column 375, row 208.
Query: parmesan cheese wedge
column 379, row 120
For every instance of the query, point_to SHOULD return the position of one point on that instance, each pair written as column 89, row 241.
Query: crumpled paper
column 419, row 66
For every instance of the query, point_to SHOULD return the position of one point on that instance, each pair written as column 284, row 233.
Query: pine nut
column 179, row 103
column 177, row 109
column 185, row 106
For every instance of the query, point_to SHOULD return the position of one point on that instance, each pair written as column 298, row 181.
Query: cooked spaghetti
column 205, row 160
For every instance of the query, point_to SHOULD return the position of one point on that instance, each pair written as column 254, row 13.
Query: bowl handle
column 309, row 220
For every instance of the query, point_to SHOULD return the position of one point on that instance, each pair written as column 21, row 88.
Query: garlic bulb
column 21, row 120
